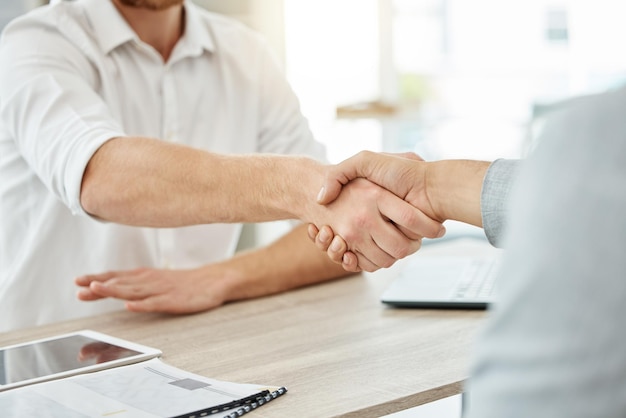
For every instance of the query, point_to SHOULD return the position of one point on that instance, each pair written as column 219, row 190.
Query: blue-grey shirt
column 555, row 345
column 494, row 201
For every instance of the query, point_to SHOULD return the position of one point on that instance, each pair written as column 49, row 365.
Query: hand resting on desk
column 159, row 290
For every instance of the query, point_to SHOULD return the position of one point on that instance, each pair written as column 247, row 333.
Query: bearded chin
column 151, row 4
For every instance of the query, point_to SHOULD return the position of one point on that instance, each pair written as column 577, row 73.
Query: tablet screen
column 65, row 355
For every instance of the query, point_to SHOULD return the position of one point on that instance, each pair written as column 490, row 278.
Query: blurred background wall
column 443, row 78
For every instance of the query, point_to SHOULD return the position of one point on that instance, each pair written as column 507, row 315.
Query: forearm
column 454, row 189
column 147, row 182
column 290, row 262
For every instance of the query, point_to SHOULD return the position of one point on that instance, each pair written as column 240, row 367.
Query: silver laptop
column 440, row 281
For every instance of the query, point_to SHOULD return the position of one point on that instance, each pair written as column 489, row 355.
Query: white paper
column 144, row 390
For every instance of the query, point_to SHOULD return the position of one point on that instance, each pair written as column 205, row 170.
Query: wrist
column 434, row 190
column 453, row 188
column 248, row 275
column 224, row 281
column 302, row 183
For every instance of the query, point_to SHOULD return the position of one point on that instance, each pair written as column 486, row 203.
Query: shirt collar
column 197, row 36
column 111, row 29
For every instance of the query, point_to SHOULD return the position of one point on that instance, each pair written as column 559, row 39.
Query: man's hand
column 402, row 174
column 448, row 189
column 158, row 290
column 334, row 246
column 405, row 175
column 378, row 226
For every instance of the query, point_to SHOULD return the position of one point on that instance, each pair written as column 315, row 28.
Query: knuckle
column 418, row 223
column 409, row 217
column 364, row 154
column 401, row 251
column 405, row 247
column 388, row 262
column 320, row 246
column 334, row 257
column 353, row 235
column 350, row 268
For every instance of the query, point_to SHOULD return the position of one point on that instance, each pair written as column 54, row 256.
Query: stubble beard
column 155, row 5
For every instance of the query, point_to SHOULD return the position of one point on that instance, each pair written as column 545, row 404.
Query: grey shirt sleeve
column 494, row 199
column 554, row 345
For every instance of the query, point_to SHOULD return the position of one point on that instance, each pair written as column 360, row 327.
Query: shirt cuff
column 80, row 159
column 494, row 198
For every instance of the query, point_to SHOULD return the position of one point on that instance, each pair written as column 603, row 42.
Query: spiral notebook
column 145, row 389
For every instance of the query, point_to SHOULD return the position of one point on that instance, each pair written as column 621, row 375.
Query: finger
column 334, row 181
column 409, row 217
column 117, row 289
column 412, row 236
column 88, row 278
column 361, row 241
column 87, row 295
column 395, row 243
column 339, row 175
column 312, row 232
column 157, row 303
column 365, row 264
column 350, row 262
column 392, row 241
column 145, row 305
column 324, row 238
column 385, row 243
column 337, row 249
column 375, row 254
column 407, row 233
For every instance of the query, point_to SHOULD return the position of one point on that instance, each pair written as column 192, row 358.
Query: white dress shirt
column 75, row 75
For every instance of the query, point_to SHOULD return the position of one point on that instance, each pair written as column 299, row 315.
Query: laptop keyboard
column 477, row 280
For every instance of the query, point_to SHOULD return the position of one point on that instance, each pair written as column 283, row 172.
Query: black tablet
column 66, row 355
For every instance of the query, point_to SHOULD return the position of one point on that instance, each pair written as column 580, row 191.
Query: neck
column 160, row 29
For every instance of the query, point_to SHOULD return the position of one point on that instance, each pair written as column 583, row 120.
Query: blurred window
column 445, row 78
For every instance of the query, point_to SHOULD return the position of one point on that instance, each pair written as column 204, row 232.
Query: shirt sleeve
column 494, row 200
column 50, row 106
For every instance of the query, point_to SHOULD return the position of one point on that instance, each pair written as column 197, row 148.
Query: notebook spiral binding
column 244, row 405
column 259, row 401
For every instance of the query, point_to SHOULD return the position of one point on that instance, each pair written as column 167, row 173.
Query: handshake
column 372, row 210
column 376, row 208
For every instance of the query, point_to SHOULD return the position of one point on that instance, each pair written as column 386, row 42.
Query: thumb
column 329, row 191
column 359, row 165
column 339, row 175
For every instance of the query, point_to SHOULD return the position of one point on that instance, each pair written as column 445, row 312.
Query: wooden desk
column 337, row 349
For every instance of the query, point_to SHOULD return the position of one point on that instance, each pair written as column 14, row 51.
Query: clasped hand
column 370, row 241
